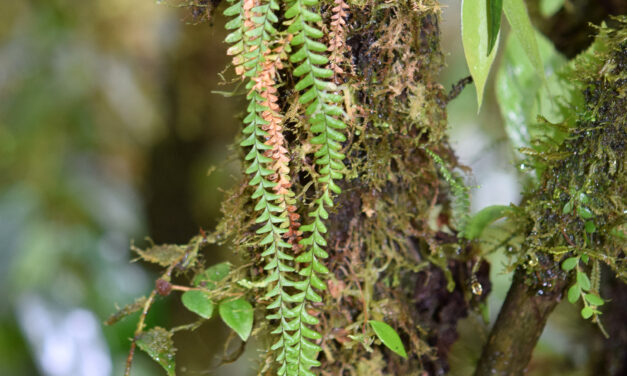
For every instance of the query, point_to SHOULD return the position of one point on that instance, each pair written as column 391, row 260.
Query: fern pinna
column 257, row 50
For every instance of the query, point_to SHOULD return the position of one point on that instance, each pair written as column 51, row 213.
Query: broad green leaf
column 238, row 315
column 522, row 97
column 495, row 9
column 475, row 41
column 594, row 299
column 586, row 312
column 573, row 293
column 549, row 7
column 198, row 302
column 483, row 219
column 590, row 227
column 157, row 342
column 212, row 275
column 583, row 281
column 518, row 18
column 570, row 263
column 389, row 337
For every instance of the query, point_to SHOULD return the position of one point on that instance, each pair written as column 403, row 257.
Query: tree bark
column 518, row 326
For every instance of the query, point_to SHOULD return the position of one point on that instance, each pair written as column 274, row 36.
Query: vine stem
column 142, row 318
column 138, row 331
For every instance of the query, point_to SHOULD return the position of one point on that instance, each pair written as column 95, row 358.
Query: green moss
column 579, row 206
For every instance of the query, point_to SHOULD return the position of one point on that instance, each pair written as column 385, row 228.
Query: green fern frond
column 253, row 35
column 459, row 190
column 324, row 117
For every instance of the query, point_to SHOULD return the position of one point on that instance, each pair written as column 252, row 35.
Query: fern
column 324, row 119
column 253, row 35
column 461, row 193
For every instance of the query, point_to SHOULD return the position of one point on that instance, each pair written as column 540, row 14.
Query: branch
column 519, row 326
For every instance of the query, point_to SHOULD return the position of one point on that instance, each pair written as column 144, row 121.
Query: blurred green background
column 108, row 128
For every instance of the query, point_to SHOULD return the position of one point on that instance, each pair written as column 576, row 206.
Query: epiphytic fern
column 324, row 119
column 257, row 50
column 337, row 38
column 459, row 190
column 253, row 37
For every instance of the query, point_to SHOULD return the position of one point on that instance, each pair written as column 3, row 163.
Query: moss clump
column 579, row 207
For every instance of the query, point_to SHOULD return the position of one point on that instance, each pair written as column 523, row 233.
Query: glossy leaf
column 518, row 18
column 389, row 337
column 495, row 9
column 475, row 42
column 483, row 219
column 522, row 97
column 238, row 315
column 157, row 342
column 198, row 302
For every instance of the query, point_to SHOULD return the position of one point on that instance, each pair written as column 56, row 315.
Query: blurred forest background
column 111, row 130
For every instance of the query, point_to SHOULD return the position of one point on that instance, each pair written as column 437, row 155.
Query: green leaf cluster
column 236, row 313
column 584, row 287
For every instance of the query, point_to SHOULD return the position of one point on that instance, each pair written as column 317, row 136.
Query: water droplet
column 533, row 260
column 477, row 289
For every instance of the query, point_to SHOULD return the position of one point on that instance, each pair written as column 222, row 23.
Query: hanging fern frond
column 253, row 36
column 459, row 190
column 337, row 38
column 257, row 51
column 324, row 117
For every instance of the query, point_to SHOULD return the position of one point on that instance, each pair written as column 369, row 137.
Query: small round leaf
column 198, row 302
column 238, row 315
column 570, row 263
column 584, row 212
column 594, row 299
column 573, row 293
column 586, row 312
column 590, row 227
column 583, row 281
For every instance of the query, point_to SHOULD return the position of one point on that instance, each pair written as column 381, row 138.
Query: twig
column 457, row 88
column 146, row 308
